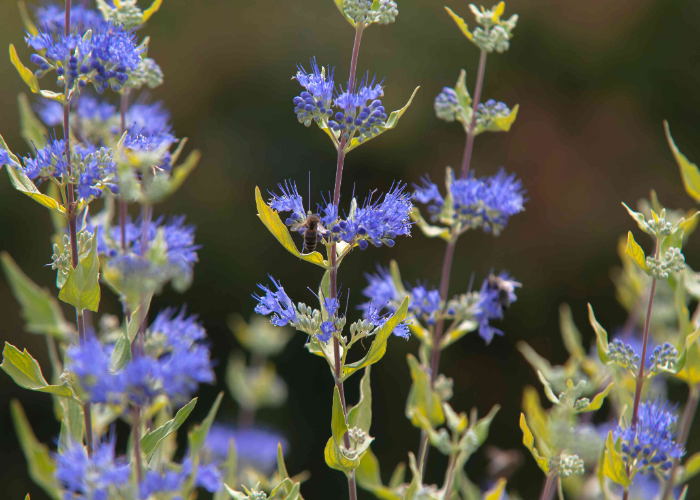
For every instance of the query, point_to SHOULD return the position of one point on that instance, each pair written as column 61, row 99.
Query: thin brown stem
column 645, row 341
column 626, row 494
column 467, row 158
column 450, row 479
column 547, row 491
column 691, row 407
column 124, row 104
column 136, row 416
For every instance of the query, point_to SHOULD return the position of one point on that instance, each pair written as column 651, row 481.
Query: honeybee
column 505, row 289
column 313, row 231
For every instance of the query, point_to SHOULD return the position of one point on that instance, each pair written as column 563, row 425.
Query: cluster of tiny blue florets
column 494, row 297
column 53, row 18
column 278, row 304
column 182, row 363
column 353, row 114
column 650, row 446
column 447, row 105
column 487, row 202
column 254, row 446
column 102, row 59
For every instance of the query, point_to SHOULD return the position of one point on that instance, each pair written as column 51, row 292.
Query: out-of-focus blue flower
column 289, row 201
column 91, row 108
column 90, row 478
column 179, row 330
column 497, row 292
column 154, row 482
column 50, row 112
column 254, row 447
column 183, row 370
column 90, row 363
column 148, row 119
column 53, row 18
column 429, row 194
column 278, row 304
column 6, row 160
column 650, row 446
column 209, row 478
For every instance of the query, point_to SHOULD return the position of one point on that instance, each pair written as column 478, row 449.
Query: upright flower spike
column 356, row 115
column 315, row 103
column 495, row 295
column 493, row 33
column 650, row 447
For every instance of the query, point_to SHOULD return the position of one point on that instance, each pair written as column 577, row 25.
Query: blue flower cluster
column 353, row 116
column 90, row 477
column 208, row 477
column 176, row 362
column 102, row 59
column 6, row 160
column 495, row 295
column 377, row 222
column 278, row 304
column 487, row 202
column 650, row 446
column 447, row 105
column 52, row 18
column 423, row 303
column 255, row 447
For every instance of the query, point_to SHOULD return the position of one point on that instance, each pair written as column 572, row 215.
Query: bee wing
column 321, row 229
column 297, row 226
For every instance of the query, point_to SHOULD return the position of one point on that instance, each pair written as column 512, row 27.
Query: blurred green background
column 594, row 80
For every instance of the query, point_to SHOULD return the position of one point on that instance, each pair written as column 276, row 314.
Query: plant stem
column 73, row 230
column 547, row 489
column 450, row 479
column 124, row 104
column 467, row 158
column 626, row 494
column 691, row 407
column 136, row 416
column 640, row 375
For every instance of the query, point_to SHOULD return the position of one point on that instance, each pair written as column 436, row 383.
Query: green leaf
column 72, row 424
column 498, row 490
column 453, row 335
column 639, row 219
column 529, row 442
column 481, row 429
column 40, row 465
column 137, row 317
column 165, row 185
column 230, row 467
column 339, row 4
column 26, row 372
column 151, row 440
column 397, row 476
column 601, row 336
column 460, row 24
column 31, row 127
column 422, row 398
column 338, row 425
column 197, row 435
column 613, row 465
column 548, row 389
column 570, row 333
column 691, row 468
column 636, row 252
column 360, row 415
column 391, row 122
column 429, row 230
column 336, row 460
column 27, row 75
column 121, row 354
column 417, row 481
column 378, row 347
column 40, row 309
column 689, row 171
column 464, row 99
column 82, row 288
column 236, row 495
column 273, row 223
column 500, row 123
column 597, row 400
column 24, row 185
column 367, row 474
column 151, row 10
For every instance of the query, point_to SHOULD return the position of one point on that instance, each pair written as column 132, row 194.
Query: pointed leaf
column 636, row 252
column 529, row 442
column 428, row 230
column 274, row 224
column 500, row 123
column 360, row 415
column 639, row 219
column 423, row 399
column 691, row 468
column 597, row 400
column 40, row 309
column 601, row 336
column 336, row 460
column 460, row 24
column 570, row 333
column 367, row 474
column 151, row 440
column 548, row 389
column 339, row 4
column 689, row 171
column 82, row 288
column 397, row 476
column 197, row 436
column 416, row 482
column 391, row 122
column 498, row 489
column 338, row 425
column 27, row 75
column 40, row 465
column 26, row 372
column 121, row 354
column 614, row 466
column 151, row 10
column 378, row 347
column 24, row 185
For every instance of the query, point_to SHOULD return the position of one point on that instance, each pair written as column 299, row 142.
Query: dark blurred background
column 594, row 81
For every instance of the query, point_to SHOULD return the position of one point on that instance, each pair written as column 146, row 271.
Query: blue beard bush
column 144, row 369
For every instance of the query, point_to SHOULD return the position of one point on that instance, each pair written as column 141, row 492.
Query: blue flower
column 209, row 478
column 140, row 379
column 331, row 305
column 49, row 161
column 91, row 108
column 90, row 362
column 183, row 370
column 178, row 330
column 6, row 160
column 380, row 291
column 315, row 103
column 278, row 304
column 650, row 447
column 327, row 329
column 254, row 446
column 148, row 119
column 288, row 201
column 356, row 115
column 154, row 482
column 447, row 105
column 424, row 302
column 429, row 194
column 50, row 112
column 91, row 478
column 81, row 18
column 496, row 293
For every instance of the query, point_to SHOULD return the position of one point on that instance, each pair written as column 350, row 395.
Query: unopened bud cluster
column 360, row 11
column 660, row 227
column 147, row 73
column 663, row 358
column 125, row 12
column 101, row 159
column 308, row 319
column 490, row 110
column 566, row 465
column 582, row 404
column 673, row 261
column 444, row 387
column 494, row 34
column 61, row 259
column 623, row 355
column 357, row 435
column 447, row 105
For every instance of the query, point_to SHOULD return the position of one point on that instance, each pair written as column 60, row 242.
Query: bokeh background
column 594, row 81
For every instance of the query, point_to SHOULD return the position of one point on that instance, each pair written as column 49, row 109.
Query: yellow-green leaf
column 360, row 415
column 378, row 347
column 456, row 333
column 336, row 460
column 339, row 4
column 338, row 425
column 151, row 10
column 689, row 171
column 429, row 230
column 196, row 436
column 529, row 442
column 391, row 122
column 422, row 398
column 274, row 224
column 29, row 25
column 23, row 184
column 597, row 400
column 570, row 333
column 460, row 24
column 41, row 311
column 639, row 219
column 548, row 388
column 165, row 185
column 500, row 123
column 636, row 252
column 601, row 336
column 26, row 372
column 691, row 468
column 496, row 492
column 82, row 287
column 151, row 440
column 614, row 466
column 27, row 75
